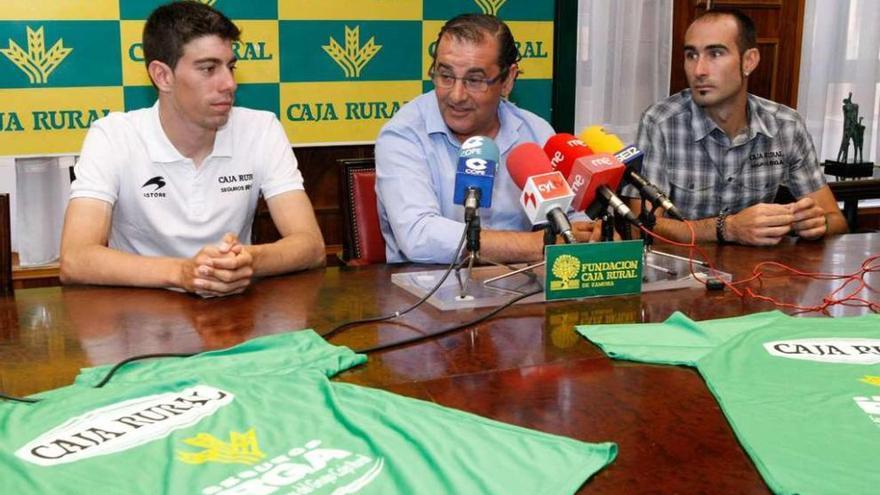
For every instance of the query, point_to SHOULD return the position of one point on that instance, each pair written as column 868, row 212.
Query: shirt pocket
column 691, row 189
column 759, row 184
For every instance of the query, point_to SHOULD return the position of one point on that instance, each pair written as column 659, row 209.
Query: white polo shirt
column 162, row 204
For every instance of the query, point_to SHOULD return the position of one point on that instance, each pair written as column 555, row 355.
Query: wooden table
column 526, row 366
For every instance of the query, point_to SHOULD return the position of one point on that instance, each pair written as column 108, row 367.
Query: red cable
column 870, row 265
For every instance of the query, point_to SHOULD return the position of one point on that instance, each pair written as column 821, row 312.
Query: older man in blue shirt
column 475, row 66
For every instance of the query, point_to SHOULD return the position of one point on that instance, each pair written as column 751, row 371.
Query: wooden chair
column 362, row 242
column 5, row 247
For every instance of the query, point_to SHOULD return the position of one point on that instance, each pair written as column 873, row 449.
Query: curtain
column 624, row 49
column 840, row 54
column 38, row 189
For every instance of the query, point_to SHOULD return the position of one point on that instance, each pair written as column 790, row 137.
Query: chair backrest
column 362, row 241
column 5, row 247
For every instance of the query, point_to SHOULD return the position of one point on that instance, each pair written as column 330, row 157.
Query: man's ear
column 507, row 85
column 161, row 74
column 751, row 58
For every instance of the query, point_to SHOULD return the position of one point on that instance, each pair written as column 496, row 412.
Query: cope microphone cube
column 543, row 192
column 589, row 173
column 477, row 164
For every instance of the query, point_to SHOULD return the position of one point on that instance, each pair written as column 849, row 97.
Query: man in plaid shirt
column 723, row 153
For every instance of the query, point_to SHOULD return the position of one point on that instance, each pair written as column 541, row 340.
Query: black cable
column 18, row 399
column 477, row 321
column 418, row 303
column 109, row 374
column 122, row 363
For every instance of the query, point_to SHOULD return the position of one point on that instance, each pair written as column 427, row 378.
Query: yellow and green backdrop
column 334, row 71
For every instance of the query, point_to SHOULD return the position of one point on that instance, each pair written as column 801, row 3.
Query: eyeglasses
column 472, row 84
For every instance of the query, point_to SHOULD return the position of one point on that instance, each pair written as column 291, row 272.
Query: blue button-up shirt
column 416, row 158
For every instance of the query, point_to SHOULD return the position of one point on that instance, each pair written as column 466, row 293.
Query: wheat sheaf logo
column 36, row 62
column 490, row 7
column 871, row 380
column 242, row 448
column 354, row 57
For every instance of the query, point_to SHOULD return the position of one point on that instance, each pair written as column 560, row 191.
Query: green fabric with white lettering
column 802, row 394
column 263, row 417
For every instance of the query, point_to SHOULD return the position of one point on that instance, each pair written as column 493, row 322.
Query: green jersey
column 262, row 418
column 802, row 394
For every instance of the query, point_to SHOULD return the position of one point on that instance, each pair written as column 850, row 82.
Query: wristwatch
column 719, row 226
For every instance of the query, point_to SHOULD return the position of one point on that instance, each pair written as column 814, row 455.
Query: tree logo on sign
column 566, row 267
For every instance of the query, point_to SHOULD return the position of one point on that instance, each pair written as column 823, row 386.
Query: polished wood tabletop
column 525, row 366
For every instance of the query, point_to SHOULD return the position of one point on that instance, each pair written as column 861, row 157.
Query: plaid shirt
column 705, row 172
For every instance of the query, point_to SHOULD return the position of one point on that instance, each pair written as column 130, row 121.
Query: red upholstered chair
column 362, row 242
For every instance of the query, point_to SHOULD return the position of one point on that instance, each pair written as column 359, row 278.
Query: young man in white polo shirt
column 165, row 196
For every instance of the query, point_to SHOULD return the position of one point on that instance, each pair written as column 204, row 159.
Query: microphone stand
column 472, row 244
column 649, row 219
column 608, row 222
column 621, row 225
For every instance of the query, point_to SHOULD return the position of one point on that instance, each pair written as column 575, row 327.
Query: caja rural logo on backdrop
column 56, row 78
column 490, row 6
column 353, row 57
column 36, row 62
column 343, row 80
column 334, row 71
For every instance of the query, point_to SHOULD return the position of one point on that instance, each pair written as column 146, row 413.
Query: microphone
column 591, row 176
column 475, row 175
column 545, row 193
column 595, row 137
column 557, row 149
column 632, row 157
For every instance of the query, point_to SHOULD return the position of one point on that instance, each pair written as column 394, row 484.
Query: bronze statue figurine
column 853, row 131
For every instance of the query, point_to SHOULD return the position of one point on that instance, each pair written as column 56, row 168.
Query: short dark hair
column 171, row 26
column 748, row 35
column 474, row 28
